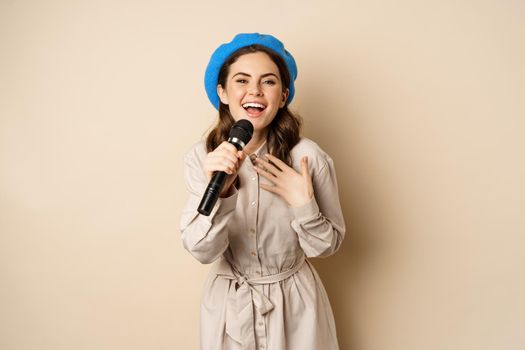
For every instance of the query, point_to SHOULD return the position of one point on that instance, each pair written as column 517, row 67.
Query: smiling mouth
column 254, row 108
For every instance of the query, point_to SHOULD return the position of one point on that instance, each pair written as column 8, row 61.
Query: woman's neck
column 257, row 141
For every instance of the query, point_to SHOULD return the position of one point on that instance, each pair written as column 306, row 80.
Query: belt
column 239, row 308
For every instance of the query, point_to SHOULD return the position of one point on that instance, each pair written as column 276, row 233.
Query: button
column 259, row 273
column 252, row 230
column 254, row 178
column 260, row 324
column 253, row 203
column 254, row 253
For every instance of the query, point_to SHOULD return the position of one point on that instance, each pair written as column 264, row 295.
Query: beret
column 223, row 52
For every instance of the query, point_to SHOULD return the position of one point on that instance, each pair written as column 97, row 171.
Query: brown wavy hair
column 283, row 131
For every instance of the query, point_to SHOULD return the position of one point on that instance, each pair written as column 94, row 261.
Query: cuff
column 226, row 204
column 306, row 211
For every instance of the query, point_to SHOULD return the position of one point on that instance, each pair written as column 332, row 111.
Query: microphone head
column 241, row 133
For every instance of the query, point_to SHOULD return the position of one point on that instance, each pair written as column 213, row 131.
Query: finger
column 273, row 189
column 269, row 167
column 240, row 159
column 227, row 148
column 263, row 162
column 222, row 167
column 221, row 157
column 306, row 175
column 241, row 156
column 224, row 154
column 214, row 162
column 265, row 174
column 304, row 166
column 221, row 164
column 277, row 162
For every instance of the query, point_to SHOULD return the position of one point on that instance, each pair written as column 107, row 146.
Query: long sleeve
column 264, row 294
column 205, row 237
column 320, row 224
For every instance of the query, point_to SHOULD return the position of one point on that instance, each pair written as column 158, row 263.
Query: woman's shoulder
column 314, row 152
column 197, row 151
column 308, row 147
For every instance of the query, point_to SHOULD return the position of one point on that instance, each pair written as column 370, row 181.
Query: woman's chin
column 260, row 122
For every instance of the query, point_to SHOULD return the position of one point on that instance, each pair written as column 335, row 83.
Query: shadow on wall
column 329, row 120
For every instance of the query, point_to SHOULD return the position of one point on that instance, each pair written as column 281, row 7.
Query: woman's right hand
column 224, row 158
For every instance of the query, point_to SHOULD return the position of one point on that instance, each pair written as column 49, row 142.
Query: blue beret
column 223, row 52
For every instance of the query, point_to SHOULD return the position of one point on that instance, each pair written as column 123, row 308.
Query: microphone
column 240, row 134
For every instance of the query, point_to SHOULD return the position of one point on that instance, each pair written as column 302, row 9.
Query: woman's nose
column 255, row 90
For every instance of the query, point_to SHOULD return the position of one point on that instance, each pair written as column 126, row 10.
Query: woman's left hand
column 295, row 188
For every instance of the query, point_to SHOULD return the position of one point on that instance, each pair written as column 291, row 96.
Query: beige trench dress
column 262, row 292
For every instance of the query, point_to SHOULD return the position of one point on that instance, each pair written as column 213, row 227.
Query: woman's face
column 253, row 90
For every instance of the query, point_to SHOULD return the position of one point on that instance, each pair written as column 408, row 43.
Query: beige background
column 420, row 103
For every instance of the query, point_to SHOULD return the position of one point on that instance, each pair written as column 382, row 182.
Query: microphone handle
column 212, row 192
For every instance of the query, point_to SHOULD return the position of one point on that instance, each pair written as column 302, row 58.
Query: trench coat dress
column 262, row 292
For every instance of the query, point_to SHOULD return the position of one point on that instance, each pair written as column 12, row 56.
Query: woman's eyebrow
column 248, row 75
column 241, row 73
column 269, row 74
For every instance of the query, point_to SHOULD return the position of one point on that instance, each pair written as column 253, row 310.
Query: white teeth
column 253, row 104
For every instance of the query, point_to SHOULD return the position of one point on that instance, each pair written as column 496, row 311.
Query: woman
column 278, row 206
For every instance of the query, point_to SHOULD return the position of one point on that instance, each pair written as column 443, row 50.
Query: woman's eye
column 241, row 81
column 269, row 82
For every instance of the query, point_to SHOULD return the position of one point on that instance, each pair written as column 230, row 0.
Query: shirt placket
column 259, row 322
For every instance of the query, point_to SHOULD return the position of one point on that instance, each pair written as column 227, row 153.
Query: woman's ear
column 284, row 98
column 223, row 96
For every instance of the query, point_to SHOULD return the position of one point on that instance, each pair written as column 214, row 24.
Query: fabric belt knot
column 242, row 298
